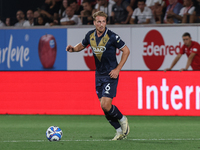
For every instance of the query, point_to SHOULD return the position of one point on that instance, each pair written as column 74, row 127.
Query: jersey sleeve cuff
column 122, row 46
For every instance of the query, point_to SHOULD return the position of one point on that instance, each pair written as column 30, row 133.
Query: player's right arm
column 189, row 61
column 174, row 62
column 76, row 48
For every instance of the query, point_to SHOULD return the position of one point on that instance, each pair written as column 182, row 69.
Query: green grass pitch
column 24, row 132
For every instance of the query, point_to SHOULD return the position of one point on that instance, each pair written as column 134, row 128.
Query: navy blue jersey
column 104, row 50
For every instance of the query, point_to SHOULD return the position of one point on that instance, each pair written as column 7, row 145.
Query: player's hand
column 70, row 48
column 114, row 73
column 167, row 69
column 182, row 69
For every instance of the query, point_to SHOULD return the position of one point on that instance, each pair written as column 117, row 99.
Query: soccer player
column 104, row 43
column 192, row 50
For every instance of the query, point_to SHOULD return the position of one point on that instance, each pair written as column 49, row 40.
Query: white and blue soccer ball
column 54, row 133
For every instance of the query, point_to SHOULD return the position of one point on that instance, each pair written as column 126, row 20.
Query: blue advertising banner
column 33, row 49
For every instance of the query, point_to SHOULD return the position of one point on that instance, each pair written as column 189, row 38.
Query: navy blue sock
column 113, row 121
column 115, row 113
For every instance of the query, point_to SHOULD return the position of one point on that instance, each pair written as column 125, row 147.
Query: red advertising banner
column 73, row 92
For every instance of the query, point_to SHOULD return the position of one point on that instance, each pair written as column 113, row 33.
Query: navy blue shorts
column 106, row 86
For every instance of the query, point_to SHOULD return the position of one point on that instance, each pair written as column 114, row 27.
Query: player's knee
column 105, row 107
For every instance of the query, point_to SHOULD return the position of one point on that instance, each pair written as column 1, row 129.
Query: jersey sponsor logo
column 101, row 47
column 89, row 58
column 155, row 49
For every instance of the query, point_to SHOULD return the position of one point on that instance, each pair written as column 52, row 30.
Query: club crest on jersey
column 105, row 40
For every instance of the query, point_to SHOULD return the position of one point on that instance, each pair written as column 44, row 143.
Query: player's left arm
column 115, row 72
column 189, row 61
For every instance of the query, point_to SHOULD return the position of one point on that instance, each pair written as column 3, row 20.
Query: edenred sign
column 155, row 49
column 152, row 44
column 73, row 92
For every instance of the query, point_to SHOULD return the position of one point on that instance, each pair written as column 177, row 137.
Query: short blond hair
column 99, row 13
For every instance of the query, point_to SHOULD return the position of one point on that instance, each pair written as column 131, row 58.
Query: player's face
column 187, row 40
column 100, row 23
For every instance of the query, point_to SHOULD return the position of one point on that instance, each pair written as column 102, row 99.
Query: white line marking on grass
column 99, row 140
column 189, row 139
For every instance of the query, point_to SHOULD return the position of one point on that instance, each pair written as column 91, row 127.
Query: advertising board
column 156, row 93
column 33, row 49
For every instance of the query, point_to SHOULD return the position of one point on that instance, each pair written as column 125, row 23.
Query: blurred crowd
column 79, row 12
